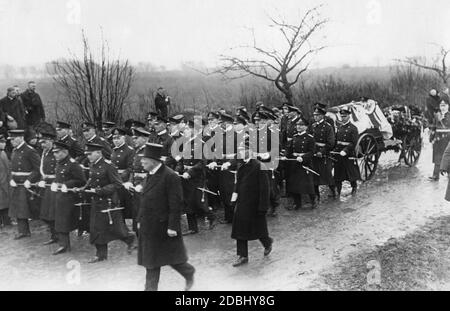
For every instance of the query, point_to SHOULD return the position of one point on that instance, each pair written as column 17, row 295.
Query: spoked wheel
column 367, row 154
column 412, row 151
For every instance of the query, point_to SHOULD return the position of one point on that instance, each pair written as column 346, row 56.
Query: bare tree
column 283, row 66
column 98, row 87
column 438, row 66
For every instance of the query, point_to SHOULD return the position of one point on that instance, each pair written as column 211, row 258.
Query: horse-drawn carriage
column 399, row 130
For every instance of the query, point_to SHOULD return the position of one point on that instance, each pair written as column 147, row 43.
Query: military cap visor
column 226, row 118
column 62, row 125
column 345, row 111
column 16, row 133
column 108, row 125
column 47, row 136
column 140, row 133
column 119, row 132
column 319, row 111
column 176, row 119
column 138, row 124
column 58, row 146
column 92, row 148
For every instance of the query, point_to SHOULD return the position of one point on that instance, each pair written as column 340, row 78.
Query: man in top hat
column 346, row 166
column 122, row 157
column 324, row 139
column 160, row 239
column 137, row 173
column 106, row 218
column 47, row 169
column 63, row 130
column 24, row 171
column 91, row 137
column 68, row 174
column 5, row 177
column 162, row 103
column 252, row 201
column 301, row 180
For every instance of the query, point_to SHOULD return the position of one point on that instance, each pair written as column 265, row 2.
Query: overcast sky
column 169, row 32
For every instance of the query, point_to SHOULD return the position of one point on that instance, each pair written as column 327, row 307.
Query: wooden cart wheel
column 412, row 151
column 367, row 154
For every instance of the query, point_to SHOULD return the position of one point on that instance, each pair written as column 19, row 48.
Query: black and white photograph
column 229, row 146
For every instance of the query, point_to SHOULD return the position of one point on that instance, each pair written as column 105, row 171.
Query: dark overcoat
column 122, row 157
column 105, row 179
column 300, row 181
column 69, row 173
column 5, row 177
column 25, row 163
column 324, row 138
column 253, row 201
column 34, row 107
column 346, row 140
column 160, row 210
column 441, row 137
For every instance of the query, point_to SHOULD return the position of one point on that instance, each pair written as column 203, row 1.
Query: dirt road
column 311, row 247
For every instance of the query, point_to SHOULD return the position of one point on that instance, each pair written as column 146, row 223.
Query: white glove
column 186, row 176
column 343, row 153
column 27, row 184
column 177, row 158
column 54, row 187
column 226, row 166
column 41, row 184
column 171, row 233
column 283, row 158
column 212, row 165
column 12, row 183
column 127, row 185
column 138, row 188
column 64, row 189
column 264, row 156
column 1, row 123
column 300, row 159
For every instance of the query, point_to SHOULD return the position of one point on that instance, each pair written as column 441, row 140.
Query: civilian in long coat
column 441, row 139
column 300, row 180
column 25, row 163
column 5, row 177
column 160, row 239
column 252, row 204
column 47, row 169
column 13, row 107
column 106, row 222
column 346, row 140
column 324, row 138
column 33, row 105
column 69, row 174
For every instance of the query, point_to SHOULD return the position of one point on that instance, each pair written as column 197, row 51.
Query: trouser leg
column 23, row 226
column 64, row 239
column 185, row 269
column 102, row 251
column 317, row 191
column 4, row 218
column 297, row 199
column 51, row 227
column 192, row 222
column 152, row 279
column 242, row 248
column 339, row 187
column 128, row 239
column 266, row 241
column 436, row 170
column 354, row 184
column 312, row 198
column 228, row 213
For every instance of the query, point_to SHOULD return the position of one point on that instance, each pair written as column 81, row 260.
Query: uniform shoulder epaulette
column 101, row 138
column 310, row 136
column 296, row 134
column 31, row 147
column 131, row 148
column 108, row 161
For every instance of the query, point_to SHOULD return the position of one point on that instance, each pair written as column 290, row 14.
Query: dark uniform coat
column 25, row 163
column 324, row 138
column 122, row 157
column 106, row 180
column 253, row 202
column 137, row 177
column 300, row 181
column 69, row 173
column 47, row 169
column 160, row 210
column 346, row 140
column 5, row 177
column 441, row 137
column 98, row 140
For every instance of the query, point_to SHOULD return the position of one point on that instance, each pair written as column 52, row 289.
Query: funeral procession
column 241, row 151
